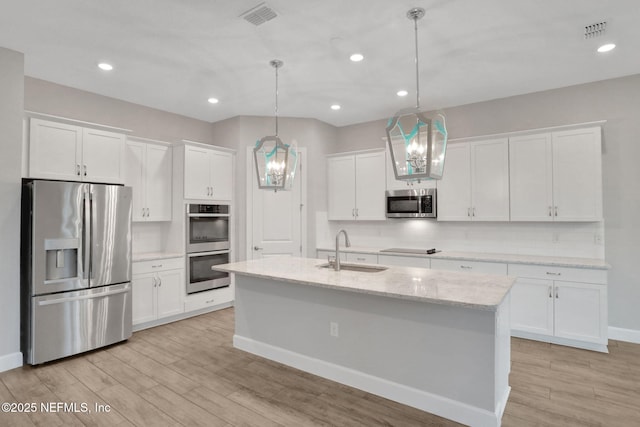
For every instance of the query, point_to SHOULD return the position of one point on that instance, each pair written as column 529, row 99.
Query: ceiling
column 175, row 54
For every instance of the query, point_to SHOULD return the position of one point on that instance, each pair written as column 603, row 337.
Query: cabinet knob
column 257, row 248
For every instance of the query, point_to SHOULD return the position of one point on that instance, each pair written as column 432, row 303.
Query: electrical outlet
column 333, row 329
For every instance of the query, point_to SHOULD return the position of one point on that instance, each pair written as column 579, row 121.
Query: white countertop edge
column 152, row 256
column 585, row 263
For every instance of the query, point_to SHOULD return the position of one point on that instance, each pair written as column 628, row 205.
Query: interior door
column 276, row 217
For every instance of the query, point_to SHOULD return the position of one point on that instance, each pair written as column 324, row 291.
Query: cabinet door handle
column 556, row 293
column 356, row 212
column 159, row 282
column 257, row 248
column 473, row 212
column 550, row 211
column 147, row 212
column 466, row 267
column 78, row 169
column 550, row 294
column 143, row 212
column 556, row 211
column 353, row 212
column 360, row 259
column 468, row 212
column 85, row 169
column 551, row 273
column 155, row 282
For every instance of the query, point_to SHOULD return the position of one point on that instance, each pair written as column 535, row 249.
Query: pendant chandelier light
column 275, row 161
column 417, row 143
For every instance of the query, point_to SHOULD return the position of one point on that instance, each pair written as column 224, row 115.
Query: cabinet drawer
column 208, row 299
column 404, row 261
column 141, row 267
column 324, row 254
column 360, row 257
column 550, row 272
column 469, row 266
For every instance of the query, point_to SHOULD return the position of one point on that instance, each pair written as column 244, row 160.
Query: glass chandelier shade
column 417, row 143
column 275, row 161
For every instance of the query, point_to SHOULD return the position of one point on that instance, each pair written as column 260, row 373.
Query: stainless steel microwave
column 419, row 203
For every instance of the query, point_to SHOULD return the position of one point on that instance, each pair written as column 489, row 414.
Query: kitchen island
column 434, row 340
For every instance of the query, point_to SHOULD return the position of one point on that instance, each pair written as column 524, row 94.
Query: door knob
column 257, row 248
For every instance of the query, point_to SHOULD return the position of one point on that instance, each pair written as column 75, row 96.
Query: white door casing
column 276, row 221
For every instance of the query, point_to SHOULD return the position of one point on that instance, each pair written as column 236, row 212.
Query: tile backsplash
column 568, row 239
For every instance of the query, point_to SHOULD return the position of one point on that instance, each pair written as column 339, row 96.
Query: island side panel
column 442, row 350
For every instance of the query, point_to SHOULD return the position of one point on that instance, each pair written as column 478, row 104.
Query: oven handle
column 208, row 253
column 204, row 215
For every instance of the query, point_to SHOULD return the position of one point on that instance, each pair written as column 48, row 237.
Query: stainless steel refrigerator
column 75, row 268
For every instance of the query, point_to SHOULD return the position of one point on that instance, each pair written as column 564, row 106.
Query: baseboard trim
column 622, row 334
column 152, row 324
column 602, row 348
column 10, row 361
column 438, row 405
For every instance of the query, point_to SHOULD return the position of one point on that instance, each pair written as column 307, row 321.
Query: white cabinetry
column 69, row 152
column 216, row 298
column 560, row 305
column 483, row 267
column 208, row 173
column 148, row 172
column 556, row 176
column 326, row 254
column 356, row 186
column 475, row 184
column 158, row 288
column 404, row 261
column 357, row 257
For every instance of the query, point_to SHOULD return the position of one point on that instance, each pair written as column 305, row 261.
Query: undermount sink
column 355, row 267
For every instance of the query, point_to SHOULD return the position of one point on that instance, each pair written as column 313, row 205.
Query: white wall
column 618, row 102
column 316, row 136
column 11, row 112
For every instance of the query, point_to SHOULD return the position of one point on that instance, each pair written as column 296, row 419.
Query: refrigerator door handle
column 87, row 234
column 91, row 218
column 82, row 297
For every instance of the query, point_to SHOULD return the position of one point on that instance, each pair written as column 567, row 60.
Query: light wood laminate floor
column 187, row 373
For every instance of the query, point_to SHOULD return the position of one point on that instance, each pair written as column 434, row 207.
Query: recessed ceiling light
column 356, row 57
column 104, row 66
column 213, row 100
column 402, row 93
column 606, row 47
column 336, row 107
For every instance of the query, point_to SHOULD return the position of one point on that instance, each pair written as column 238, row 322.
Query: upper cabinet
column 148, row 171
column 208, row 173
column 356, row 186
column 556, row 176
column 475, row 184
column 70, row 152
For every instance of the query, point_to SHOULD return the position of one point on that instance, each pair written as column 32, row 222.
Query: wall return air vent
column 259, row 14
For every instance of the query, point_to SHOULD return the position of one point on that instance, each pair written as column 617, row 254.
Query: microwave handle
column 191, row 255
column 203, row 215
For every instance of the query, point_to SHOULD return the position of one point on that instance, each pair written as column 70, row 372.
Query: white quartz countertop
column 593, row 263
column 152, row 256
column 479, row 291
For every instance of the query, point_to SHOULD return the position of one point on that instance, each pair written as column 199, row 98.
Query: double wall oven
column 207, row 229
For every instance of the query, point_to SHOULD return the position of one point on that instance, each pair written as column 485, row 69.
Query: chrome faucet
column 347, row 244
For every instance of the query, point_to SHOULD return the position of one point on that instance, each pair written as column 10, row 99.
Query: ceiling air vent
column 259, row 14
column 595, row 30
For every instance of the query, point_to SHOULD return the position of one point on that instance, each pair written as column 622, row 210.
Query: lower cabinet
column 158, row 288
column 481, row 267
column 571, row 311
column 209, row 299
column 404, row 261
column 357, row 257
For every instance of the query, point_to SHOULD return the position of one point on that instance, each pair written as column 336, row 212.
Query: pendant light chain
column 276, row 100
